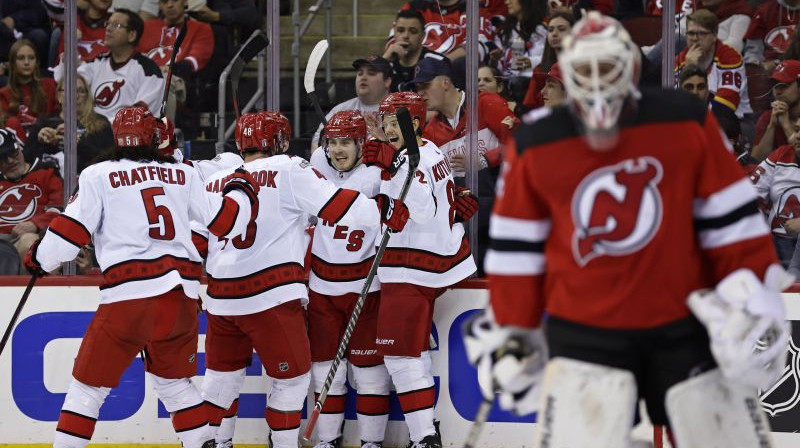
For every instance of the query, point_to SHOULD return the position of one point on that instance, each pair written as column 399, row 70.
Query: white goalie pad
column 585, row 405
column 711, row 411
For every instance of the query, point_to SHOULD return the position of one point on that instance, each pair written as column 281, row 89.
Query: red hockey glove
column 30, row 262
column 393, row 212
column 243, row 181
column 384, row 156
column 466, row 204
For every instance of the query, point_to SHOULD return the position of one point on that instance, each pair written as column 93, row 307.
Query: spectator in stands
column 770, row 31
column 521, row 39
column 94, row 131
column 490, row 80
column 195, row 51
column 734, row 18
column 776, row 123
column 123, row 76
column 91, row 30
column 777, row 182
column 26, row 96
column 575, row 6
column 558, row 27
column 553, row 93
column 373, row 80
column 497, row 10
column 31, row 194
column 406, row 49
column 25, row 19
column 727, row 80
column 694, row 80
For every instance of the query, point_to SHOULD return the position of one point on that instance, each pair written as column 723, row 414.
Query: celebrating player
column 256, row 288
column 341, row 257
column 429, row 255
column 612, row 248
column 136, row 206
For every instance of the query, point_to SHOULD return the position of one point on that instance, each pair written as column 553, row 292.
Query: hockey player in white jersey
column 136, row 206
column 429, row 255
column 256, row 289
column 341, row 256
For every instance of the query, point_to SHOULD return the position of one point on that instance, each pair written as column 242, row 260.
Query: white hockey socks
column 221, row 393
column 284, row 405
column 415, row 390
column 185, row 405
column 79, row 415
column 372, row 403
column 331, row 418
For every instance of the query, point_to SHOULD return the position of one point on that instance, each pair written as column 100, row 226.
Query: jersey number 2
column 158, row 216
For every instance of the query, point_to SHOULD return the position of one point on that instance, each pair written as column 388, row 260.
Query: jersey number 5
column 158, row 216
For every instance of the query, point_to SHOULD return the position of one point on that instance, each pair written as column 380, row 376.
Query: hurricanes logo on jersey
column 617, row 209
column 18, row 203
column 107, row 94
column 778, row 38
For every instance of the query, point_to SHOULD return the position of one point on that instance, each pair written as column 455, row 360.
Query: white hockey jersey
column 225, row 160
column 264, row 268
column 115, row 87
column 431, row 250
column 777, row 182
column 341, row 255
column 137, row 214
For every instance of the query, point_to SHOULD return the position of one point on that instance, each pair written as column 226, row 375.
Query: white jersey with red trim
column 137, row 214
column 225, row 160
column 431, row 250
column 777, row 182
column 341, row 255
column 264, row 268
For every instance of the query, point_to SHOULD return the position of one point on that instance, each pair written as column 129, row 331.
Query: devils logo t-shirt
column 35, row 197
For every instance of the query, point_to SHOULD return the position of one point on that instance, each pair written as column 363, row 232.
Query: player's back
column 144, row 229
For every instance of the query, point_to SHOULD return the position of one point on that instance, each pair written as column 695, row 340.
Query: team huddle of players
column 641, row 273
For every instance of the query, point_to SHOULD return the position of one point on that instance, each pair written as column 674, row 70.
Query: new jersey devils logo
column 788, row 207
column 441, row 37
column 160, row 55
column 778, row 38
column 18, row 203
column 90, row 49
column 107, row 93
column 617, row 210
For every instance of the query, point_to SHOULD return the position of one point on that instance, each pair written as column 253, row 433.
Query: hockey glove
column 746, row 323
column 465, row 204
column 384, row 156
column 243, row 181
column 394, row 214
column 510, row 362
column 30, row 262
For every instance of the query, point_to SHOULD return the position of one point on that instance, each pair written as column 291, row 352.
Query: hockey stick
column 257, row 42
column 14, row 318
column 477, row 425
column 175, row 48
column 412, row 152
column 311, row 71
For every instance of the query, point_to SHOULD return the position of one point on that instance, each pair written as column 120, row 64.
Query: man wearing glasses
column 122, row 76
column 727, row 81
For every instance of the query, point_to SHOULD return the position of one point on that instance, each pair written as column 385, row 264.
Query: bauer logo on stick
column 617, row 210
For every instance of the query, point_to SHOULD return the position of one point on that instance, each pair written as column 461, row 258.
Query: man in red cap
column 553, row 93
column 778, row 122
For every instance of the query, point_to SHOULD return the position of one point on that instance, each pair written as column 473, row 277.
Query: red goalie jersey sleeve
column 624, row 236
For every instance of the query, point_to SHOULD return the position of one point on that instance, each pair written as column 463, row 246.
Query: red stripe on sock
column 233, row 410
column 416, row 400
column 334, row 404
column 190, row 418
column 372, row 404
column 76, row 424
column 282, row 420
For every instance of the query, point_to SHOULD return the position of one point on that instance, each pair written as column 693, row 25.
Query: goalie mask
column 344, row 129
column 600, row 65
column 135, row 126
column 265, row 131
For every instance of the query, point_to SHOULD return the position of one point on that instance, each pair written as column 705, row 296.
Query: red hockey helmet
column 261, row 131
column 347, row 124
column 135, row 126
column 410, row 100
column 281, row 121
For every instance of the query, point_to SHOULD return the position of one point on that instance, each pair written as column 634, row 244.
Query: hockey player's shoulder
column 545, row 125
column 673, row 105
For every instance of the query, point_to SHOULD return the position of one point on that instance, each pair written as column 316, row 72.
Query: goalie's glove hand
column 30, row 262
column 465, row 204
column 746, row 323
column 384, row 156
column 243, row 181
column 510, row 362
column 394, row 214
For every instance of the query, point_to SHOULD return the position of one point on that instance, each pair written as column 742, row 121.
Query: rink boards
column 35, row 372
